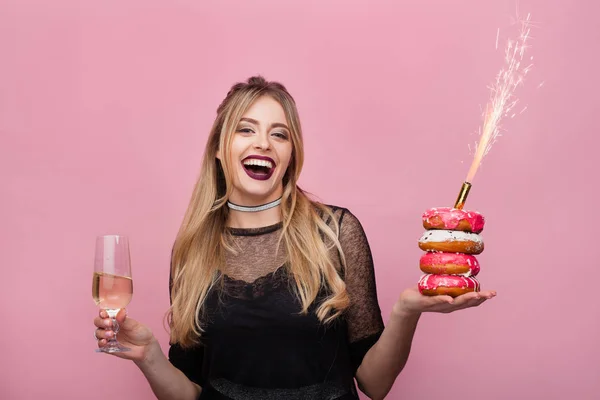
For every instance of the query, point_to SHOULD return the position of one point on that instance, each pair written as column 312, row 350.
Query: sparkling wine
column 111, row 291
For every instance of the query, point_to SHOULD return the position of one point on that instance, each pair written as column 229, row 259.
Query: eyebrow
column 273, row 125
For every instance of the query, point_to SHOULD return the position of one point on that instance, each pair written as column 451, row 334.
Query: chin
column 256, row 190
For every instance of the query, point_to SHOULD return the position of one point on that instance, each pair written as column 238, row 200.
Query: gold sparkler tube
column 462, row 196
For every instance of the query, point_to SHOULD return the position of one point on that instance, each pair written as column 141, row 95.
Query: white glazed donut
column 451, row 242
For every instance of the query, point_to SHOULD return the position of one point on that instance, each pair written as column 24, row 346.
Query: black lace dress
column 257, row 345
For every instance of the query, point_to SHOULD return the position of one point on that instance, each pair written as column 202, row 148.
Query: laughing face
column 260, row 152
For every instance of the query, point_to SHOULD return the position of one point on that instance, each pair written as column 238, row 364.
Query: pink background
column 104, row 111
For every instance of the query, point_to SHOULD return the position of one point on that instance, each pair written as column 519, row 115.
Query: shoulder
column 346, row 220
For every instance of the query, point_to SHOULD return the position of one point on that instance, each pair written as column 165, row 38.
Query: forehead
column 266, row 109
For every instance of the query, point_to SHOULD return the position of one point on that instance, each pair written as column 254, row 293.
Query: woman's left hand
column 413, row 302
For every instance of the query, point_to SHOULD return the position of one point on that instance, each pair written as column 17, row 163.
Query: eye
column 281, row 135
column 245, row 130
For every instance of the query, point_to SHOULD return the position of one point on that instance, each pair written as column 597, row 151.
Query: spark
column 497, row 36
column 502, row 101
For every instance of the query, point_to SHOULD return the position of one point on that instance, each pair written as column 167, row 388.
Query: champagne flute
column 112, row 286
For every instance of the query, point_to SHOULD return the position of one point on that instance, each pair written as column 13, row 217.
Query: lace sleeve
column 365, row 323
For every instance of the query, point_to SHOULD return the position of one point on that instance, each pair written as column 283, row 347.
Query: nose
column 262, row 142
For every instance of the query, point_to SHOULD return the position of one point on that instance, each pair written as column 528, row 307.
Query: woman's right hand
column 132, row 334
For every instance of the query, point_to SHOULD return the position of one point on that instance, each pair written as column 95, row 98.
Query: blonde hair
column 201, row 243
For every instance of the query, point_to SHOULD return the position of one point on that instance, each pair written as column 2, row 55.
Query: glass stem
column 112, row 313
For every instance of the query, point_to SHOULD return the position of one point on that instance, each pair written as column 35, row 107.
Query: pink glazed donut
column 449, row 264
column 450, row 285
column 453, row 219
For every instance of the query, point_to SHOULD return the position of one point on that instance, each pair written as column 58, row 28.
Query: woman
column 272, row 294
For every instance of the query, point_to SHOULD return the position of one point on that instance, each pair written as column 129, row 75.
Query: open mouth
column 259, row 168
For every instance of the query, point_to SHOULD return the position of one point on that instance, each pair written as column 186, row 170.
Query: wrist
column 400, row 311
column 151, row 355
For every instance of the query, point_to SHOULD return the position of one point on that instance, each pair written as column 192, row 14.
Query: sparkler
column 502, row 101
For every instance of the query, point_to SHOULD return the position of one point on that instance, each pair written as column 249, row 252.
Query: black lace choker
column 262, row 207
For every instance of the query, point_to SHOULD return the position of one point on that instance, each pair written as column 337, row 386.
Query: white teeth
column 260, row 163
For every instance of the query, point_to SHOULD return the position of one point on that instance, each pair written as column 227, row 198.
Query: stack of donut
column 451, row 242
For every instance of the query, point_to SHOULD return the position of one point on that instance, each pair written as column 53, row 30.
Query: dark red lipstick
column 258, row 172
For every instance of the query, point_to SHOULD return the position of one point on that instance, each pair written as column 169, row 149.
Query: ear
column 218, row 155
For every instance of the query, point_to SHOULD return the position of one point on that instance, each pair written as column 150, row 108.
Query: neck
column 237, row 219
column 254, row 218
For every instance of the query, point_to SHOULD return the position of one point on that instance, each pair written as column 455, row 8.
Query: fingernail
column 107, row 323
column 109, row 333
